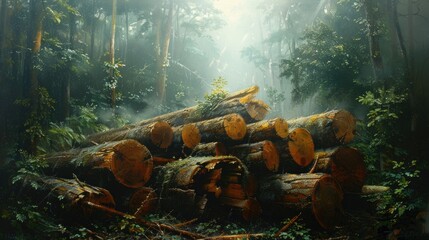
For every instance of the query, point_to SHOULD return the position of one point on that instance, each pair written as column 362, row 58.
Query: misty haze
column 214, row 119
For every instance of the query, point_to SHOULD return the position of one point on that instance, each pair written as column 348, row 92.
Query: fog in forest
column 169, row 76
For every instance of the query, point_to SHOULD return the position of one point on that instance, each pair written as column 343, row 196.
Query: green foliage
column 28, row 166
column 113, row 74
column 275, row 97
column 39, row 115
column 297, row 230
column 214, row 98
column 383, row 148
column 325, row 64
column 64, row 135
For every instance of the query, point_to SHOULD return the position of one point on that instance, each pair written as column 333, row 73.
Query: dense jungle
column 214, row 119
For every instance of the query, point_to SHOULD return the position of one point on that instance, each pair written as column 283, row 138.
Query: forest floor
column 22, row 220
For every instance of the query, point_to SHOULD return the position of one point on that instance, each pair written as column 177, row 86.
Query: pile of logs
column 229, row 160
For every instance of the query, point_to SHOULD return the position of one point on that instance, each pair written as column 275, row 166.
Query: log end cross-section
column 161, row 134
column 131, row 163
column 191, row 136
column 301, row 146
column 235, row 126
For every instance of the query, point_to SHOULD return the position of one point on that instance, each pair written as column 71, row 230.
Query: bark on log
column 209, row 149
column 229, row 128
column 296, row 152
column 261, row 157
column 129, row 162
column 319, row 194
column 187, row 186
column 143, row 201
column 346, row 165
column 328, row 129
column 271, row 129
column 154, row 135
column 68, row 195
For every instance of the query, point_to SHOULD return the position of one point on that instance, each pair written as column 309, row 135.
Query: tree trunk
column 162, row 58
column 317, row 194
column 272, row 129
column 158, row 135
column 260, row 158
column 328, row 129
column 129, row 162
column 372, row 13
column 112, row 53
column 345, row 164
column 93, row 25
column 296, row 152
column 127, row 31
column 68, row 196
column 66, row 84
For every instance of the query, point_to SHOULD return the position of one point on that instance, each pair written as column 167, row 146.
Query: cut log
column 159, row 161
column 228, row 128
column 272, row 129
column 68, row 195
column 346, row 165
column 296, row 152
column 328, row 129
column 185, row 138
column 154, row 135
column 261, row 157
column 318, row 194
column 143, row 201
column 187, row 185
column 129, row 161
column 209, row 149
column 240, row 102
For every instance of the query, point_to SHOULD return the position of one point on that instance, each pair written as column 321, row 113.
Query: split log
column 186, row 186
column 157, row 135
column 68, row 195
column 129, row 161
column 317, row 194
column 328, row 129
column 345, row 164
column 261, row 157
column 271, row 129
column 296, row 152
column 209, row 149
column 228, row 128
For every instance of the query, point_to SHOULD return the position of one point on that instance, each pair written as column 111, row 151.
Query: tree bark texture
column 260, row 158
column 319, row 194
column 272, row 129
column 328, row 129
column 345, row 164
column 158, row 135
column 129, row 162
column 240, row 102
column 187, row 186
column 69, row 195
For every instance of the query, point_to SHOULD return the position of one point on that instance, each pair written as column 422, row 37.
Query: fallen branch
column 314, row 165
column 162, row 226
column 285, row 227
column 185, row 223
column 236, row 236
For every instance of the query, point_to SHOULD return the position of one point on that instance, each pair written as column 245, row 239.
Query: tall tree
column 162, row 44
column 112, row 53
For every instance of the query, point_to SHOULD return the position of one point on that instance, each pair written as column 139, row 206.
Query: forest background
column 69, row 68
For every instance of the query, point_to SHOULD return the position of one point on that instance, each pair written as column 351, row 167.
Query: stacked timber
column 226, row 160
